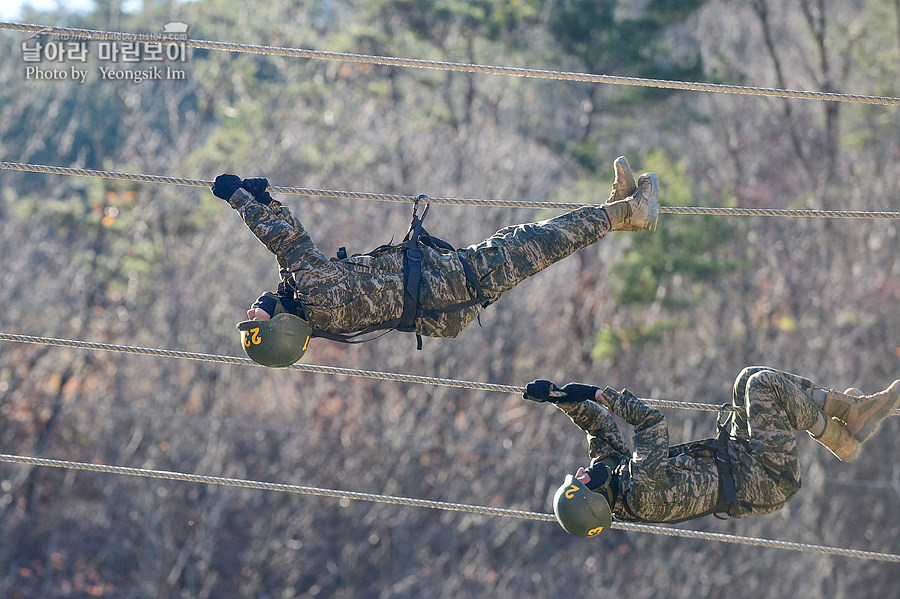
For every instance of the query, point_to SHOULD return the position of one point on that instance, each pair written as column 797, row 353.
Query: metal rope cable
column 427, row 503
column 318, row 369
column 684, row 210
column 333, row 370
column 447, row 448
column 92, row 34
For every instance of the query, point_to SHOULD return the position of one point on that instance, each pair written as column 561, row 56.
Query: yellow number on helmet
column 254, row 337
column 595, row 531
column 571, row 490
column 245, row 338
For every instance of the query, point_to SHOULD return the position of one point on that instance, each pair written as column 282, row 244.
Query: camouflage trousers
column 515, row 253
column 770, row 406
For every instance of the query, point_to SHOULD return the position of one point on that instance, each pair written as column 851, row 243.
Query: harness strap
column 287, row 294
column 479, row 300
column 412, row 272
column 472, row 280
column 386, row 327
column 727, row 486
column 412, row 276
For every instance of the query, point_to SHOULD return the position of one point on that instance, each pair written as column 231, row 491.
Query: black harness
column 413, row 257
column 727, row 487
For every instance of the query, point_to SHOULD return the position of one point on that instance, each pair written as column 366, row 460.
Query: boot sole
column 875, row 420
column 652, row 204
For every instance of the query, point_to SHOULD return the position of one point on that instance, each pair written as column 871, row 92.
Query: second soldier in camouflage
column 755, row 454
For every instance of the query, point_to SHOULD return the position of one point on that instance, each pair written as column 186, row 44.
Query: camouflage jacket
column 351, row 294
column 657, row 483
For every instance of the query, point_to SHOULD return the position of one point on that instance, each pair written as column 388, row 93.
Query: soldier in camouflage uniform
column 364, row 292
column 755, row 456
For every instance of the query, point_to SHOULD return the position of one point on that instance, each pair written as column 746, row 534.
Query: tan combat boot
column 638, row 212
column 838, row 440
column 863, row 414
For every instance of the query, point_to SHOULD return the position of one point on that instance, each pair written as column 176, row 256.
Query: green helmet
column 580, row 511
column 277, row 342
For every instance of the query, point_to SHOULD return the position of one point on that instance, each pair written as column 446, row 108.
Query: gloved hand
column 225, row 185
column 543, row 390
column 257, row 188
column 580, row 391
column 598, row 476
column 268, row 303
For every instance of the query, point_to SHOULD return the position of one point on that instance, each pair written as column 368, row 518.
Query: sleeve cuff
column 241, row 197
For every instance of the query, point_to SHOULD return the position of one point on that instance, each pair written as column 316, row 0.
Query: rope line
column 93, row 34
column 333, row 370
column 441, row 505
column 683, row 210
column 319, row 369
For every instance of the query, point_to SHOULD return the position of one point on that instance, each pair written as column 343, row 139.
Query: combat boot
column 637, row 212
column 863, row 414
column 838, row 440
column 624, row 184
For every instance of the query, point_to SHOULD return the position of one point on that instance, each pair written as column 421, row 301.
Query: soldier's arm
column 284, row 236
column 605, row 441
column 651, row 432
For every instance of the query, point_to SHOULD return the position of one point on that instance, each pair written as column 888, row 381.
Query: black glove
column 257, row 188
column 267, row 302
column 579, row 391
column 543, row 390
column 599, row 474
column 225, row 185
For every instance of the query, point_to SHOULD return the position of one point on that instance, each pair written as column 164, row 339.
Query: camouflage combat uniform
column 659, row 483
column 351, row 294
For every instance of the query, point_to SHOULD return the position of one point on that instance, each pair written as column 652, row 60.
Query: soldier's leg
column 781, row 402
column 739, row 397
column 740, row 383
column 776, row 403
column 842, row 413
column 515, row 253
column 862, row 414
column 773, row 408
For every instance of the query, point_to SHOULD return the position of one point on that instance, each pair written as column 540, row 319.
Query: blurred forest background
column 673, row 314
